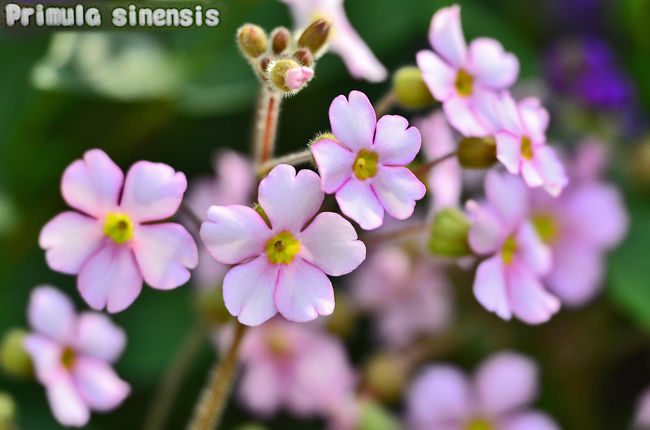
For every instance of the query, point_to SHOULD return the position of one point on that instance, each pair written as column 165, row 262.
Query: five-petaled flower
column 72, row 356
column 509, row 282
column 364, row 166
column 464, row 79
column 282, row 266
column 112, row 244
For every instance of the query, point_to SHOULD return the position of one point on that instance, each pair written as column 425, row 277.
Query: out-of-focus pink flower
column 300, row 368
column 509, row 281
column 464, row 79
column 521, row 144
column 588, row 219
column 344, row 40
column 232, row 184
column 72, row 356
column 282, row 266
column 642, row 418
column 364, row 165
column 409, row 295
column 497, row 397
column 112, row 244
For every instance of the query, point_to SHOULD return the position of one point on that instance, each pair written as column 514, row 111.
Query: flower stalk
column 268, row 110
column 294, row 159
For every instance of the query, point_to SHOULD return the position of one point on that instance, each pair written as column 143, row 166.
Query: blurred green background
column 176, row 96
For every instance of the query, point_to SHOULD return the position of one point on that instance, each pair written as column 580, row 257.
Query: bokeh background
column 176, row 96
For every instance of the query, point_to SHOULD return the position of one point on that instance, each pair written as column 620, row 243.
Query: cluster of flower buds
column 283, row 61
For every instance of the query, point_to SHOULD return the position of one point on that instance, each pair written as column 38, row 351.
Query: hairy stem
column 214, row 397
column 385, row 104
column 266, row 124
column 423, row 169
column 174, row 376
column 293, row 159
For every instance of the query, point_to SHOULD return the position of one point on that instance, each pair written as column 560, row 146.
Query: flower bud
column 315, row 36
column 212, row 307
column 449, row 234
column 410, row 90
column 374, row 416
column 304, row 57
column 252, row 40
column 265, row 62
column 14, row 360
column 386, row 375
column 289, row 76
column 477, row 152
column 280, row 38
column 7, row 411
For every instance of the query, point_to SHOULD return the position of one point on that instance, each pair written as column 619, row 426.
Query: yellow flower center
column 526, row 148
column 464, row 82
column 282, row 248
column 68, row 357
column 277, row 343
column 479, row 424
column 509, row 249
column 118, row 227
column 365, row 166
column 546, row 227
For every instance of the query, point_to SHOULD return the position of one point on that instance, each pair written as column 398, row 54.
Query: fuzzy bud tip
column 252, row 40
column 280, row 39
column 315, row 36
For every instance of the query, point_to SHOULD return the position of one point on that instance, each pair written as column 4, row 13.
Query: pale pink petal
column 45, row 354
column 535, row 118
column 99, row 337
column 491, row 65
column 395, row 142
column 261, row 388
column 290, row 200
column 92, row 184
column 438, row 75
column 235, row 233
column 529, row 420
column 330, row 243
column 529, row 299
column 551, row 170
column 98, row 384
column 50, row 312
column 462, row 115
column 398, row 189
column 531, row 175
column 358, row 201
column 440, row 395
column 298, row 77
column 505, row 382
column 532, row 251
column 248, row 291
column 509, row 196
column 353, row 121
column 66, row 402
column 487, row 232
column 152, row 191
column 642, row 418
column 303, row 291
column 490, row 287
column 164, row 253
column 509, row 151
column 69, row 239
column 110, row 278
column 508, row 113
column 334, row 164
column 446, row 35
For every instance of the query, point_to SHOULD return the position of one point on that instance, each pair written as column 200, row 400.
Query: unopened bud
column 14, row 360
column 212, row 307
column 410, row 90
column 252, row 40
column 375, row 417
column 289, row 76
column 304, row 57
column 386, row 375
column 449, row 234
column 315, row 36
column 477, row 152
column 7, row 411
column 280, row 38
column 265, row 62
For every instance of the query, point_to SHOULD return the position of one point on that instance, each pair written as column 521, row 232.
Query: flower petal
column 330, row 243
column 66, row 403
column 50, row 312
column 45, row 354
column 261, row 389
column 99, row 337
column 438, row 75
column 353, row 121
column 529, row 420
column 490, row 287
column 290, row 200
column 334, row 164
column 506, row 381
column 235, row 233
column 152, row 191
column 463, row 116
column 395, row 142
column 508, row 113
column 487, row 232
column 550, row 169
column 529, row 299
column 535, row 118
column 532, row 251
column 70, row 239
column 358, row 201
column 446, row 35
column 509, row 196
column 248, row 291
column 303, row 292
column 92, row 184
column 491, row 65
column 398, row 189
column 98, row 384
column 164, row 253
column 110, row 278
column 508, row 151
